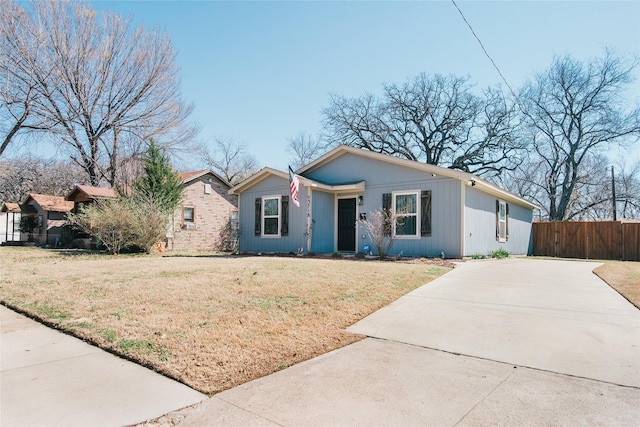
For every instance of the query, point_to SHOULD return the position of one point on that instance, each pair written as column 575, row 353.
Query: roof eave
column 256, row 178
column 501, row 193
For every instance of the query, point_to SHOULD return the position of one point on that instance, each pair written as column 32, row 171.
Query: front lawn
column 211, row 322
column 624, row 277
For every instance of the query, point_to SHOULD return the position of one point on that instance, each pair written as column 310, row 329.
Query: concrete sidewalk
column 51, row 379
column 511, row 342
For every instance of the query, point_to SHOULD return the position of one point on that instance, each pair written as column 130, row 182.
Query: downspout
column 462, row 218
column 46, row 227
column 309, row 220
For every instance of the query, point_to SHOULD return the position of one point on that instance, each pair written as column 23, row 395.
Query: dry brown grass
column 212, row 322
column 624, row 277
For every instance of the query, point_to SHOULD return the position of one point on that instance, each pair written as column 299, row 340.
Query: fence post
column 586, row 234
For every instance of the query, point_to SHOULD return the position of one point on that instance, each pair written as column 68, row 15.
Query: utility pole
column 613, row 193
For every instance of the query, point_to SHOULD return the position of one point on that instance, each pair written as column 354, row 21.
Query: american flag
column 294, row 184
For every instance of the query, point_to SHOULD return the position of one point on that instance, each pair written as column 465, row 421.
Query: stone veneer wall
column 212, row 215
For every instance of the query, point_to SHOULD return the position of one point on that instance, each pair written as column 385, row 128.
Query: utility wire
column 485, row 51
column 516, row 97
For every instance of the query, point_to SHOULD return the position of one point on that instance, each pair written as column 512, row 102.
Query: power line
column 485, row 51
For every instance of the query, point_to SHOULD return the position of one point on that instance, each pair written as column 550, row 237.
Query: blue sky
column 261, row 72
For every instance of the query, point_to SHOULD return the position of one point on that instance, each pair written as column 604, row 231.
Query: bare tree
column 433, row 119
column 103, row 86
column 627, row 189
column 573, row 112
column 18, row 89
column 304, row 148
column 231, row 159
column 19, row 177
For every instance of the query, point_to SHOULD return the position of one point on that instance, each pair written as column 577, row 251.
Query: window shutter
column 497, row 219
column 284, row 216
column 258, row 224
column 507, row 222
column 386, row 209
column 425, row 213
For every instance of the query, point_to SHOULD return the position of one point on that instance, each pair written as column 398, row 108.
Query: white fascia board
column 256, row 178
column 339, row 188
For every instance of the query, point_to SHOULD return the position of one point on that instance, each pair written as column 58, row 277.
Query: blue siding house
column 444, row 210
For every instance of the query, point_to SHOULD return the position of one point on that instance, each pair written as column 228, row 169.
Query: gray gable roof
column 341, row 150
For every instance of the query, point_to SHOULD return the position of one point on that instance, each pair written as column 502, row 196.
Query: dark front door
column 347, row 225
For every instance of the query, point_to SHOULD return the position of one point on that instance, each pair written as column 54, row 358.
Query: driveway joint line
column 506, row 363
column 49, row 362
column 487, row 396
column 246, row 410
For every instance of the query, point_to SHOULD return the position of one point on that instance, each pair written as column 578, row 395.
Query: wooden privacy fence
column 589, row 240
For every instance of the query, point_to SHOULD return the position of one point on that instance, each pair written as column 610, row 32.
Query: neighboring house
column 85, row 194
column 202, row 222
column 81, row 196
column 206, row 216
column 444, row 211
column 9, row 223
column 50, row 212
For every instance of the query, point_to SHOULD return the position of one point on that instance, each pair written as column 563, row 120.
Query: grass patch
column 624, row 277
column 210, row 321
column 44, row 310
column 131, row 347
column 108, row 335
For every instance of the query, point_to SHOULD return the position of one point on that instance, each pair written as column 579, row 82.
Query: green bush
column 499, row 254
column 126, row 223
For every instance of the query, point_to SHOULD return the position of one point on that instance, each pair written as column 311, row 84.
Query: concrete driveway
column 510, row 342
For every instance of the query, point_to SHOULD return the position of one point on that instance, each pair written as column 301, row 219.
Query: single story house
column 207, row 216
column 9, row 223
column 443, row 211
column 202, row 222
column 83, row 195
column 50, row 212
column 80, row 196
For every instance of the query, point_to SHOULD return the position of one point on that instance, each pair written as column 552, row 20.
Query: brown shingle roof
column 93, row 192
column 10, row 207
column 51, row 203
column 189, row 176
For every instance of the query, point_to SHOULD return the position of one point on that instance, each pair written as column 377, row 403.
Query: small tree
column 28, row 223
column 160, row 185
column 139, row 220
column 379, row 229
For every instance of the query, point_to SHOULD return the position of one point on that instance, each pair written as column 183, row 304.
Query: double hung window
column 271, row 216
column 407, row 210
column 502, row 221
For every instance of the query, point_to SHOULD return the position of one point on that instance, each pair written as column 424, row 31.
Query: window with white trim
column 502, row 218
column 271, row 216
column 407, row 211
